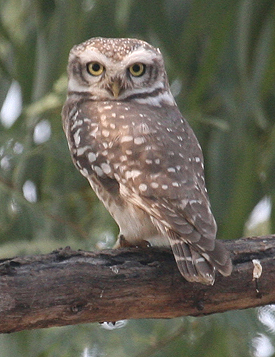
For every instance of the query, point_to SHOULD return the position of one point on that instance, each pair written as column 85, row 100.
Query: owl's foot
column 123, row 243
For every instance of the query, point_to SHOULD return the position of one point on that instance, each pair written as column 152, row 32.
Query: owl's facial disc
column 108, row 70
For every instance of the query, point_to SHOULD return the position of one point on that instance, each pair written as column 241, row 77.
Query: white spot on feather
column 77, row 123
column 77, row 137
column 154, row 185
column 142, row 187
column 126, row 138
column 108, row 107
column 139, row 140
column 106, row 168
column 92, row 156
column 84, row 172
column 81, row 151
column 175, row 184
column 105, row 133
column 98, row 171
column 132, row 174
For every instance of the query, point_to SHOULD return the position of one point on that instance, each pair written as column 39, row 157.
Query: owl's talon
column 143, row 244
column 123, row 243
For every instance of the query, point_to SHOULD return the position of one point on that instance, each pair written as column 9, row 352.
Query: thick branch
column 68, row 287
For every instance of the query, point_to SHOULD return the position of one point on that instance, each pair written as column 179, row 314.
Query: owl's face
column 119, row 69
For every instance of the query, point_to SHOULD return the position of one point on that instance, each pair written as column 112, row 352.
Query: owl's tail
column 199, row 266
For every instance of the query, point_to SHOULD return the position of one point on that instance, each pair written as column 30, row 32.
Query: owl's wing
column 164, row 176
column 151, row 157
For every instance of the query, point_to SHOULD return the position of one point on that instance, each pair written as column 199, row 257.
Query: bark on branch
column 71, row 287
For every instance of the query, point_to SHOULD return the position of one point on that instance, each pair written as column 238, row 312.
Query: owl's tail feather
column 193, row 266
column 219, row 257
column 199, row 266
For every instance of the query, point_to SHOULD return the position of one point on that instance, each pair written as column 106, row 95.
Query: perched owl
column 128, row 138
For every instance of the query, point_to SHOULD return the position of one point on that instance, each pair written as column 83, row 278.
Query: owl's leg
column 123, row 243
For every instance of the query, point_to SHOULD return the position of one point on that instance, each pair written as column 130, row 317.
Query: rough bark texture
column 71, row 287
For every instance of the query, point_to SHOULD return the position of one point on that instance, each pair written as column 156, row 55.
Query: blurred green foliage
column 220, row 58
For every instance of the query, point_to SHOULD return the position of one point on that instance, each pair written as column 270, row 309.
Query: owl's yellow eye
column 137, row 69
column 95, row 68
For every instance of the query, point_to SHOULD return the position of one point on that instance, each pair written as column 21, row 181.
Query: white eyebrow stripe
column 140, row 55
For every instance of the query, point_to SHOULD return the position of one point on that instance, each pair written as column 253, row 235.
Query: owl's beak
column 116, row 88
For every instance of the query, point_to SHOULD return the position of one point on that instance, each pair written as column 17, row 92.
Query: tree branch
column 71, row 287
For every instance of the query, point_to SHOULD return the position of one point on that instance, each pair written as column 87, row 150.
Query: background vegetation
column 220, row 57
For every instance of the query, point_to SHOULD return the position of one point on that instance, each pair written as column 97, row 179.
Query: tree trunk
column 71, row 287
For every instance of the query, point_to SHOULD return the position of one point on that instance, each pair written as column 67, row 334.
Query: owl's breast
column 99, row 133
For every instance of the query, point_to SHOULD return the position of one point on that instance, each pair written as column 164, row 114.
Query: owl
column 127, row 136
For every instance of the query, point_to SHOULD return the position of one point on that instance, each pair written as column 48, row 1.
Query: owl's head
column 119, row 69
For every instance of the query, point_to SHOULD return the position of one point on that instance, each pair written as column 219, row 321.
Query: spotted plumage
column 128, row 138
